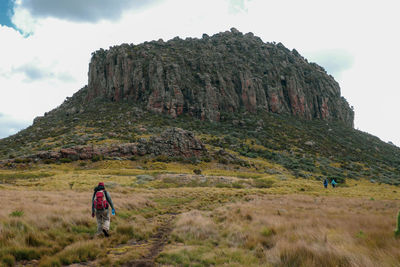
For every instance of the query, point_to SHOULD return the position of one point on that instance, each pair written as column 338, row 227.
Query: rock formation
column 228, row 72
column 173, row 142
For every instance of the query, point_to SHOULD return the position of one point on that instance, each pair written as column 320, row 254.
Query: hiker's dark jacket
column 108, row 197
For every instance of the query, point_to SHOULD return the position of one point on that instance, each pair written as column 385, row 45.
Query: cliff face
column 227, row 72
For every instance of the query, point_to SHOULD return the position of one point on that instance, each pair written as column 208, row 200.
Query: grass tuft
column 17, row 213
column 8, row 260
column 303, row 256
column 194, row 226
column 397, row 231
column 82, row 251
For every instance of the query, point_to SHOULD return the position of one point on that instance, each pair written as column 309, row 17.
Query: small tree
column 397, row 231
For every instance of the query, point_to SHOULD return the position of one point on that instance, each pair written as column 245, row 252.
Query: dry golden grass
column 297, row 230
column 195, row 226
column 45, row 216
column 58, row 224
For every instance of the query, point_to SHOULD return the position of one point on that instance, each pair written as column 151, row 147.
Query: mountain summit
column 228, row 99
column 227, row 72
column 216, row 152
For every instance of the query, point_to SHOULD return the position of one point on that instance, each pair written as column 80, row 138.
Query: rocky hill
column 229, row 99
column 229, row 71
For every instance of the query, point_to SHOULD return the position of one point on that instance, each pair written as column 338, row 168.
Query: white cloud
column 24, row 20
column 34, row 72
column 335, row 61
column 82, row 11
column 9, row 126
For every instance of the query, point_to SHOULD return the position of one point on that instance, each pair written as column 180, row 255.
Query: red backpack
column 100, row 201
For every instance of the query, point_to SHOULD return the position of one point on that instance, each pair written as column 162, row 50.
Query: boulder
column 173, row 142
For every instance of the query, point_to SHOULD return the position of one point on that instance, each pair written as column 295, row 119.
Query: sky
column 46, row 45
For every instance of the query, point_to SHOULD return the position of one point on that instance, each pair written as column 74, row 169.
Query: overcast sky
column 45, row 46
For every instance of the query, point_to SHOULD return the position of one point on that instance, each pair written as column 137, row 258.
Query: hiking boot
column 105, row 233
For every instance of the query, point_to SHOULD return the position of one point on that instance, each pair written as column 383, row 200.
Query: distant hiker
column 326, row 183
column 100, row 201
column 333, row 183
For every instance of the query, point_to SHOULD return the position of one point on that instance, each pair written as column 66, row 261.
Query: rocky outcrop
column 173, row 142
column 228, row 72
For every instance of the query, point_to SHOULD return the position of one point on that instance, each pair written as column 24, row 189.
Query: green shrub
column 17, row 213
column 49, row 161
column 263, row 183
column 162, row 158
column 197, row 171
column 8, row 260
column 65, row 160
column 206, row 159
column 96, row 158
column 22, row 160
column 223, row 161
column 192, row 160
column 397, row 231
column 267, row 232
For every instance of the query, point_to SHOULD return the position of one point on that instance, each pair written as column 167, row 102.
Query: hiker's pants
column 103, row 220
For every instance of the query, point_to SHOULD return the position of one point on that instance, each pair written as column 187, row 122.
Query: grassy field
column 166, row 214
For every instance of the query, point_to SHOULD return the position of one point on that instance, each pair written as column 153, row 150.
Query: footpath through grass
column 225, row 216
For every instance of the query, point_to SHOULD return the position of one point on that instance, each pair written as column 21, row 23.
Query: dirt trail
column 153, row 245
column 158, row 242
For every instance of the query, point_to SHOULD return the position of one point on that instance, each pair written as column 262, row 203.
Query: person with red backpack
column 101, row 200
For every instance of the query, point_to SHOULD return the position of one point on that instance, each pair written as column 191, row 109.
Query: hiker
column 333, row 183
column 100, row 201
column 326, row 183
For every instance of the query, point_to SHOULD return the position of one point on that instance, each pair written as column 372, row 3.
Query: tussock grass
column 304, row 256
column 264, row 183
column 8, row 260
column 59, row 225
column 11, row 177
column 22, row 253
column 81, row 251
column 17, row 213
column 195, row 227
column 300, row 230
column 206, row 256
column 228, row 216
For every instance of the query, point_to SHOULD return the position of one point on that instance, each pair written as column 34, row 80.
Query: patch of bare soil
column 158, row 242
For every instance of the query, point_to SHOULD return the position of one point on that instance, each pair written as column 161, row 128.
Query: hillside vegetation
column 256, row 199
column 308, row 149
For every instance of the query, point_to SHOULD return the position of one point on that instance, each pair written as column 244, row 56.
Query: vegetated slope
column 233, row 91
column 313, row 148
column 228, row 71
